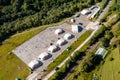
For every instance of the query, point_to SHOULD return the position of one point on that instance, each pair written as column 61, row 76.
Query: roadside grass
column 110, row 70
column 66, row 53
column 10, row 65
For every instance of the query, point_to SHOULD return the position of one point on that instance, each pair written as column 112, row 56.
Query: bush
column 98, row 34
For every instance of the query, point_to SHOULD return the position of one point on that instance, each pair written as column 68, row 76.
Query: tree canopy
column 18, row 15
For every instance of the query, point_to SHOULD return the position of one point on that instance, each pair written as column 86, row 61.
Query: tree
column 24, row 6
column 7, row 9
column 17, row 4
column 116, row 30
column 5, row 2
column 24, row 14
column 104, row 41
column 108, row 35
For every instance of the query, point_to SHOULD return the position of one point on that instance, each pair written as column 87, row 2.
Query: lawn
column 66, row 53
column 10, row 65
column 111, row 69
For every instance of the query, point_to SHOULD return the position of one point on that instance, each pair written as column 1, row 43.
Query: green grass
column 109, row 70
column 83, row 75
column 65, row 54
column 10, row 65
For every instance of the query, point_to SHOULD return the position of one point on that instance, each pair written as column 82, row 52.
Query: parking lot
column 32, row 48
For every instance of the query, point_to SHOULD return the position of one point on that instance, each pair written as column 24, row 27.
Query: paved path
column 100, row 17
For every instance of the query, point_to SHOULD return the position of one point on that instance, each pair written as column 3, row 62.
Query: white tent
column 93, row 15
column 61, row 42
column 75, row 28
column 67, row 36
column 34, row 64
column 85, row 12
column 52, row 48
column 43, row 56
column 58, row 31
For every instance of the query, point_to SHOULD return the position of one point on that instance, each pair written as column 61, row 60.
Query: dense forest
column 18, row 15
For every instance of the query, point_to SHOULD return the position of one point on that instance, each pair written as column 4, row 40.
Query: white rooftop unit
column 43, row 56
column 85, row 12
column 58, row 31
column 68, row 36
column 52, row 48
column 61, row 42
column 34, row 64
column 102, row 52
column 72, row 20
column 75, row 28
